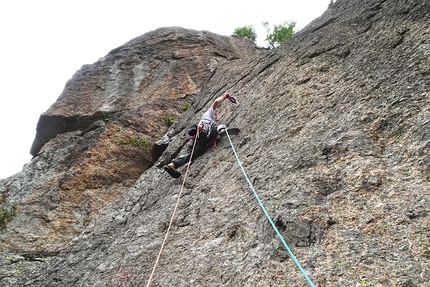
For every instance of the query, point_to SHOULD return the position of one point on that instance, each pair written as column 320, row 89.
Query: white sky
column 43, row 43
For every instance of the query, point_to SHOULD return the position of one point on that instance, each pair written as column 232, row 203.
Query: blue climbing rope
column 267, row 214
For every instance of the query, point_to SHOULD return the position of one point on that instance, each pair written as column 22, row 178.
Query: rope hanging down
column 173, row 215
column 267, row 214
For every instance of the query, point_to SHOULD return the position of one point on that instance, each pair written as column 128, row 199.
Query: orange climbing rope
column 173, row 215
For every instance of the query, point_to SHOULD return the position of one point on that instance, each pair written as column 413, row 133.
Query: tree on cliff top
column 280, row 33
column 246, row 32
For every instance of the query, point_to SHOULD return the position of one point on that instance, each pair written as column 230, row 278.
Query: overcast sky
column 43, row 43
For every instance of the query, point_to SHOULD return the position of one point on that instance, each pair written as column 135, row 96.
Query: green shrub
column 186, row 107
column 246, row 32
column 136, row 142
column 7, row 215
column 168, row 120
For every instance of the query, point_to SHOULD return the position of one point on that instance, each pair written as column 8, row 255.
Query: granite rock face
column 334, row 137
column 99, row 136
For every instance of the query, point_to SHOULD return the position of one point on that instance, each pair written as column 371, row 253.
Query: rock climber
column 204, row 133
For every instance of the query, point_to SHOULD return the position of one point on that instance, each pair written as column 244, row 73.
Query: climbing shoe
column 173, row 172
column 221, row 129
column 231, row 131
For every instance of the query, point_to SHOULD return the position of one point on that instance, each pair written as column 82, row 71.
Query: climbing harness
column 267, row 214
column 173, row 215
column 207, row 126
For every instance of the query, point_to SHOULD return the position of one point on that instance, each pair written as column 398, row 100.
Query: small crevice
column 39, row 255
column 325, row 23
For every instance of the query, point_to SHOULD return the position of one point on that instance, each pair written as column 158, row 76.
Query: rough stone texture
column 335, row 139
column 79, row 165
column 149, row 72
